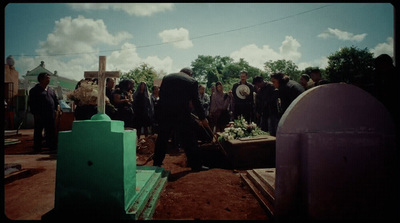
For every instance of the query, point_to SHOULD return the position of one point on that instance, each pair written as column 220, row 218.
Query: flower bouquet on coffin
column 241, row 129
column 85, row 99
column 85, row 94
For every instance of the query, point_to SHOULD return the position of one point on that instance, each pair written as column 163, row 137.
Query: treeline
column 349, row 64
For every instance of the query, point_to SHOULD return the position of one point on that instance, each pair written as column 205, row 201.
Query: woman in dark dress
column 123, row 102
column 142, row 110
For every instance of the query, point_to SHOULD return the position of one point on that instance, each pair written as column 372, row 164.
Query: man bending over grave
column 176, row 91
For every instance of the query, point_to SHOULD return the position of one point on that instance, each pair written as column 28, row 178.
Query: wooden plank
column 11, row 141
column 268, row 193
column 267, row 206
column 267, row 176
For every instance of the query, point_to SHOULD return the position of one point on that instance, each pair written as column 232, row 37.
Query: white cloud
column 72, row 69
column 258, row 56
column 178, row 37
column 122, row 60
column 384, row 48
column 342, row 35
column 134, row 9
column 289, row 48
column 321, row 63
column 79, row 35
column 127, row 58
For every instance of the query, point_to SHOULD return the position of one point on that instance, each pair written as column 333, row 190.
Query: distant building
column 61, row 85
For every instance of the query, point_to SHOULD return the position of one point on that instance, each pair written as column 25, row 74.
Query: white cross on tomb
column 101, row 75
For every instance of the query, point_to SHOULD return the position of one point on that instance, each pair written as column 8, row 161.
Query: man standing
column 110, row 84
column 204, row 99
column 43, row 104
column 243, row 99
column 315, row 75
column 174, row 115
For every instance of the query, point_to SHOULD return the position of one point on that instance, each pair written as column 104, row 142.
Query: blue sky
column 71, row 37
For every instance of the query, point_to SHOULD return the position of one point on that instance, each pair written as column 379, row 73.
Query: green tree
column 308, row 70
column 232, row 71
column 144, row 73
column 208, row 69
column 287, row 67
column 351, row 65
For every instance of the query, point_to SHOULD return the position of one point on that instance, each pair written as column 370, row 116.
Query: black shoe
column 201, row 168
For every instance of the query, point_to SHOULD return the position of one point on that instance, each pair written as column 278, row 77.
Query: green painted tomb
column 97, row 176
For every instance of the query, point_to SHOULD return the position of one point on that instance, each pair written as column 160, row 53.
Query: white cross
column 102, row 74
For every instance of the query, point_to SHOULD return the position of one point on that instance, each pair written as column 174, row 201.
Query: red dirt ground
column 216, row 194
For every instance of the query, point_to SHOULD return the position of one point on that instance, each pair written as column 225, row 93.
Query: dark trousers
column 186, row 132
column 246, row 110
column 48, row 124
column 273, row 121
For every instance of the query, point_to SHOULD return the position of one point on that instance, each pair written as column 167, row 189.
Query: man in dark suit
column 43, row 104
column 243, row 101
column 174, row 114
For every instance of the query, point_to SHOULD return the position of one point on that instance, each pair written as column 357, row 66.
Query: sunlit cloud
column 342, row 35
column 134, row 9
column 178, row 37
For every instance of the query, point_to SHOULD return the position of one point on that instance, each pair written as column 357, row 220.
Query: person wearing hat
column 243, row 100
column 177, row 90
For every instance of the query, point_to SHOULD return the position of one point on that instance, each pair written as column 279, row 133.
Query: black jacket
column 289, row 92
column 176, row 92
column 42, row 102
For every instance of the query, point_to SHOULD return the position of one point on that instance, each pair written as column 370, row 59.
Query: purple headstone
column 336, row 156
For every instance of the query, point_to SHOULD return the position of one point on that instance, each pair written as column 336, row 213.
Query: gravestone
column 336, row 157
column 97, row 177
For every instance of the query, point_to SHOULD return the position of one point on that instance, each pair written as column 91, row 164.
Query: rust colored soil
column 216, row 194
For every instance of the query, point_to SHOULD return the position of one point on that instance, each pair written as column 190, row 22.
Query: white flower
column 85, row 94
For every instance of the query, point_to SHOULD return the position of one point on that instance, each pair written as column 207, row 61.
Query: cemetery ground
column 216, row 194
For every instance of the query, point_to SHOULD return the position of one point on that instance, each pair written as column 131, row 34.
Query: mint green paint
column 100, row 117
column 97, row 174
column 96, row 167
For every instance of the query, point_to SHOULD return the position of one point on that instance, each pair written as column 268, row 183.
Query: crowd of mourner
column 169, row 109
column 261, row 102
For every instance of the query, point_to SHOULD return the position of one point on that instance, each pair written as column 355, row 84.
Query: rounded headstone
column 336, row 156
column 336, row 107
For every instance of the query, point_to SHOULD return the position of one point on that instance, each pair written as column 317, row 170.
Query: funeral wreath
column 240, row 128
column 85, row 94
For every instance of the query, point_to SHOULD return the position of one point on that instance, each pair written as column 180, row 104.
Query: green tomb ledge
column 97, row 176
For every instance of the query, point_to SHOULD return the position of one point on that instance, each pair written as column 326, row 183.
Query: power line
column 193, row 38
